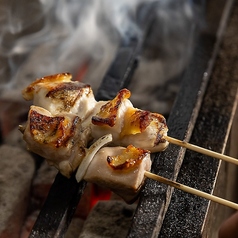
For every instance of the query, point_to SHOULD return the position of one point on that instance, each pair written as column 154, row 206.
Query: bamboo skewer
column 191, row 190
column 201, row 150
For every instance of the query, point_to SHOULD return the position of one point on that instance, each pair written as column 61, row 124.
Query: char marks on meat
column 65, row 120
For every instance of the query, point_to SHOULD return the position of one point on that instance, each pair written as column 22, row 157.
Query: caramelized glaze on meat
column 56, row 131
column 128, row 158
column 29, row 92
column 68, row 93
column 108, row 112
column 57, row 94
column 110, row 117
column 145, row 130
column 129, row 125
column 125, row 182
column 61, row 139
column 135, row 121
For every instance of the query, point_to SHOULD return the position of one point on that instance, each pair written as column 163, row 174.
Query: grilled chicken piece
column 57, row 94
column 60, row 139
column 144, row 129
column 129, row 125
column 110, row 117
column 120, row 169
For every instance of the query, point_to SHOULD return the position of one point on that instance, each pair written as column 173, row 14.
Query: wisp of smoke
column 43, row 37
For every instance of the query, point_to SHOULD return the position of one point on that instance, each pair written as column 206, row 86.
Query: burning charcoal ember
column 108, row 219
column 16, row 176
column 99, row 194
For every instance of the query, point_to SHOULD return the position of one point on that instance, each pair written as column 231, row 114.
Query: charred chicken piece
column 129, row 125
column 120, row 169
column 110, row 117
column 57, row 94
column 60, row 139
column 144, row 129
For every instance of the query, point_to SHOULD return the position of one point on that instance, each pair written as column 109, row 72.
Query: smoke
column 43, row 37
column 167, row 51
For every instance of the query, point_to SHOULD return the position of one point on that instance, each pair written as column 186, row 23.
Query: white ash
column 15, row 181
column 108, row 219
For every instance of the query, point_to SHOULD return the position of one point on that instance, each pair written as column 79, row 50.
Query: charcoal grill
column 202, row 114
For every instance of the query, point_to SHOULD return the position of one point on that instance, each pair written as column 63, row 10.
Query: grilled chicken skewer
column 58, row 94
column 123, row 171
column 141, row 128
column 66, row 118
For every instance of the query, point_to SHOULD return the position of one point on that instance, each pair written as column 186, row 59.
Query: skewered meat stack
column 129, row 125
column 67, row 126
column 66, row 119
